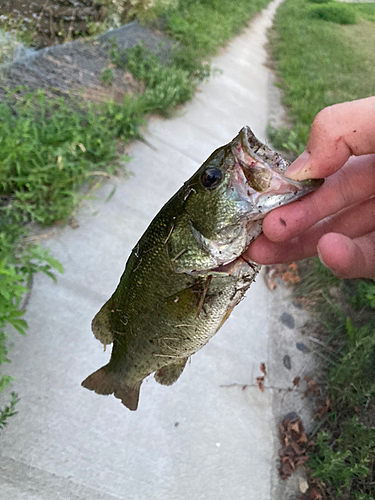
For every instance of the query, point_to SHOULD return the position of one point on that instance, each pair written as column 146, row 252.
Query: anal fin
column 167, row 375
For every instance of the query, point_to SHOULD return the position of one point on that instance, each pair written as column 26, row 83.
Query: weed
column 49, row 149
column 95, row 28
column 337, row 467
column 166, row 86
column 9, row 410
column 17, row 265
column 107, row 76
column 365, row 295
column 352, row 381
column 144, row 10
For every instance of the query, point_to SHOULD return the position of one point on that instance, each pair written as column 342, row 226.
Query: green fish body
column 186, row 273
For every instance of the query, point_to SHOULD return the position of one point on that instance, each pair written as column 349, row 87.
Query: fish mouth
column 259, row 186
column 267, row 187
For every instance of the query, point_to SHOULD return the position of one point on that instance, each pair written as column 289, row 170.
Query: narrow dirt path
column 210, row 436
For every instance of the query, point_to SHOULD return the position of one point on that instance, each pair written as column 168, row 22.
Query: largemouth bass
column 187, row 273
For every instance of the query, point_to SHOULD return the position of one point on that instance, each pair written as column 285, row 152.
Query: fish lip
column 264, row 173
column 283, row 185
column 248, row 149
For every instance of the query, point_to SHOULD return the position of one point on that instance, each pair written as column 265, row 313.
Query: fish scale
column 187, row 272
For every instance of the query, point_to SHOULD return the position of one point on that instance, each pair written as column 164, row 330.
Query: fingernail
column 299, row 169
column 324, row 264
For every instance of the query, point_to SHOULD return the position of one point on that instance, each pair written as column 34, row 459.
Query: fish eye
column 211, row 177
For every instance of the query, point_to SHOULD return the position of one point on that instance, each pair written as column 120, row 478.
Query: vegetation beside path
column 55, row 149
column 320, row 63
column 323, row 54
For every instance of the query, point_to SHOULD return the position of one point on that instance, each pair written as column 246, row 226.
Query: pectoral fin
column 167, row 375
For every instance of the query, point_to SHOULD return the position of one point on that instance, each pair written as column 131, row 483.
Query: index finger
column 338, row 132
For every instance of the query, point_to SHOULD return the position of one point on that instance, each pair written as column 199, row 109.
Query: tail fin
column 103, row 381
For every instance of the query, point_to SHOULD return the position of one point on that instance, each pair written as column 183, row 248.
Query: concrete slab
column 212, row 435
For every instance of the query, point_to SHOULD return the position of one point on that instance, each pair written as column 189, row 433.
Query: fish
column 188, row 270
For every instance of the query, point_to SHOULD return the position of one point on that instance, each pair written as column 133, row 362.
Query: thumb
column 337, row 133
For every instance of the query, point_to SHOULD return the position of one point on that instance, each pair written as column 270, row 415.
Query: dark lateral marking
column 282, row 222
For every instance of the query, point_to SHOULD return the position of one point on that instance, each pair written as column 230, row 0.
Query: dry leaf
column 312, row 387
column 291, row 278
column 295, row 427
column 260, row 383
column 323, row 409
column 296, row 381
column 291, row 275
column 293, row 266
column 292, row 453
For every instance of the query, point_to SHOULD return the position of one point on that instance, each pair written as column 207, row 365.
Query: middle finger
column 353, row 183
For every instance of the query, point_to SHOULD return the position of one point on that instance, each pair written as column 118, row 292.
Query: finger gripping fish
column 187, row 273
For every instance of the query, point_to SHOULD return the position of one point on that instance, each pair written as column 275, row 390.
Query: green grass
column 321, row 63
column 48, row 149
column 166, row 85
column 343, row 465
column 203, row 26
column 334, row 13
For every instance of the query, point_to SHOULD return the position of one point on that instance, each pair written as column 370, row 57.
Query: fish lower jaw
column 238, row 268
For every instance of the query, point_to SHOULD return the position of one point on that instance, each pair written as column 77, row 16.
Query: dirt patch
column 78, row 66
column 51, row 22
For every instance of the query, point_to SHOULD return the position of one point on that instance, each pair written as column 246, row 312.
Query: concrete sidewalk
column 207, row 436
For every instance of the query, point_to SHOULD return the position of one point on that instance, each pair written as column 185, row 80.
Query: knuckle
column 345, row 190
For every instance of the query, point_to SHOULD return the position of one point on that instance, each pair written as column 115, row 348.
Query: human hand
column 336, row 222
